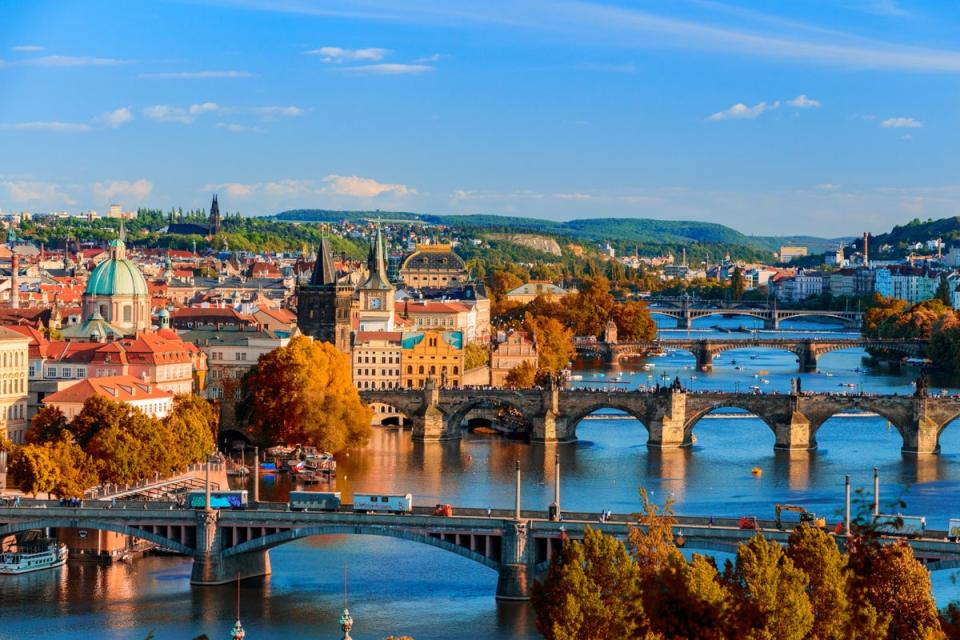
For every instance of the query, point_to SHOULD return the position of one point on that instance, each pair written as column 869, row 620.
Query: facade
column 375, row 360
column 324, row 304
column 789, row 253
column 803, row 285
column 907, row 283
column 434, row 266
column 117, row 291
column 527, row 293
column 148, row 398
column 436, row 355
column 511, row 350
column 14, row 359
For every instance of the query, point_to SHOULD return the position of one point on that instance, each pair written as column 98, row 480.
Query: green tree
column 75, row 471
column 522, row 376
column 591, row 591
column 303, row 393
column 737, row 283
column 475, row 355
column 192, row 425
column 769, row 593
column 120, row 457
column 816, row 554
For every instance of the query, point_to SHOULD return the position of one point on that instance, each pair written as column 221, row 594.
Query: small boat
column 33, row 555
column 576, row 377
column 757, row 472
column 238, row 470
column 268, row 467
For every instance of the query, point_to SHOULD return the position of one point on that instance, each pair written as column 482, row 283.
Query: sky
column 819, row 117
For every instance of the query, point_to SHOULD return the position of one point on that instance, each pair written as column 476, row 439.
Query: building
column 375, row 360
column 212, row 227
column 376, row 294
column 803, row 285
column 510, row 350
column 436, row 355
column 434, row 266
column 147, row 397
column 117, row 291
column 324, row 304
column 790, row 253
column 526, row 293
column 906, row 283
column 14, row 363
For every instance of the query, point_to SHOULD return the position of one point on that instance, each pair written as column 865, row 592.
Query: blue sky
column 825, row 117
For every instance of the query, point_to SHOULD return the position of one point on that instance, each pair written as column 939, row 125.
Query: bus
column 314, row 500
column 370, row 503
column 910, row 526
column 218, row 499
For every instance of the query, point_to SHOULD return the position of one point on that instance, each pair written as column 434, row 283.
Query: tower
column 377, row 294
column 323, row 303
column 214, row 216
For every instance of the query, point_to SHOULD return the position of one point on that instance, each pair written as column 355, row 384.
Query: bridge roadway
column 808, row 350
column 670, row 416
column 685, row 312
column 227, row 544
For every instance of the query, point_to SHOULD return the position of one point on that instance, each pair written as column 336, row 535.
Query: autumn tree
column 46, row 426
column 193, row 425
column 120, row 457
column 591, row 591
column 816, row 554
column 588, row 310
column 475, row 355
column 31, row 469
column 737, row 283
column 75, row 470
column 769, row 593
column 522, row 376
column 303, row 393
column 634, row 321
column 554, row 342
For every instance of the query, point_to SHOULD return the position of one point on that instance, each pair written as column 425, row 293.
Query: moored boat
column 33, row 555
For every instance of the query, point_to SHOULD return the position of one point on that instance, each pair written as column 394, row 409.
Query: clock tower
column 377, row 294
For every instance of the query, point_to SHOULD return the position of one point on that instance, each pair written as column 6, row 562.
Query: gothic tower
column 377, row 294
column 323, row 304
column 214, row 217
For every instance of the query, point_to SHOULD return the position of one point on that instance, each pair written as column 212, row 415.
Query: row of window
column 13, row 386
column 383, row 372
column 13, row 358
column 237, row 356
column 373, row 359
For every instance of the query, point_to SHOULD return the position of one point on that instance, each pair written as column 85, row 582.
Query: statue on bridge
column 676, row 386
column 922, row 386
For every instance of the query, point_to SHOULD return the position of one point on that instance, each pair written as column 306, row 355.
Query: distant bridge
column 225, row 545
column 670, row 416
column 685, row 312
column 807, row 350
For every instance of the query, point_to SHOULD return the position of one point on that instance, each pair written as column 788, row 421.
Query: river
column 403, row 587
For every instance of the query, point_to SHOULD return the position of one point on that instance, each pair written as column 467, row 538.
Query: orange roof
column 430, row 307
column 116, row 388
column 280, row 315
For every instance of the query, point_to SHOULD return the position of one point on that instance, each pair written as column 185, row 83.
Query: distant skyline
column 819, row 117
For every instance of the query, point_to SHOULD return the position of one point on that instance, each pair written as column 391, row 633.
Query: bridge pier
column 668, row 431
column 807, row 354
column 549, row 425
column 211, row 567
column 922, row 437
column 795, row 435
column 772, row 321
column 704, row 355
column 430, row 424
column 516, row 563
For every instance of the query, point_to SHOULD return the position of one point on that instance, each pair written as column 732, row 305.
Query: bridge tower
column 668, row 425
column 549, row 425
column 429, row 423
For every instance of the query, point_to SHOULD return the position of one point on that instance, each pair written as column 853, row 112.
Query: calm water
column 403, row 587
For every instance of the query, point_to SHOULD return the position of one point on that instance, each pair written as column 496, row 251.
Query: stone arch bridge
column 685, row 312
column 670, row 416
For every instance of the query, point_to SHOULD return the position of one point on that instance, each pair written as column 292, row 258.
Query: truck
column 379, row 503
column 806, row 517
column 900, row 525
column 314, row 500
column 218, row 499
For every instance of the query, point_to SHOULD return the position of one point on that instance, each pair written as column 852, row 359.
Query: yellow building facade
column 431, row 354
column 14, row 369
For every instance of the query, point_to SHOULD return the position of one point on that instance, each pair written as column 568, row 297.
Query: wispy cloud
column 112, row 190
column 803, row 102
column 29, row 191
column 195, row 75
column 827, row 186
column 883, row 8
column 390, row 69
column 236, row 190
column 114, row 118
column 741, row 111
column 233, row 127
column 53, row 126
column 338, row 55
column 183, row 115
column 27, row 48
column 358, row 187
column 332, row 185
column 71, row 61
column 274, row 112
column 901, row 123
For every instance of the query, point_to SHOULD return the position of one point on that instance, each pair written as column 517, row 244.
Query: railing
column 111, row 490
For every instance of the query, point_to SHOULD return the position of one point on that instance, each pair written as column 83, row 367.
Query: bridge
column 808, row 351
column 685, row 312
column 669, row 415
column 518, row 545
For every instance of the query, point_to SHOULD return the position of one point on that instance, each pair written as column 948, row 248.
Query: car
column 749, row 522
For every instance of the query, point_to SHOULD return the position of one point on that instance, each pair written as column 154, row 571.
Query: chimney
column 15, row 282
column 866, row 254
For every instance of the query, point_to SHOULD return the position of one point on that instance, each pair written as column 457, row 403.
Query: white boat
column 33, row 556
column 576, row 377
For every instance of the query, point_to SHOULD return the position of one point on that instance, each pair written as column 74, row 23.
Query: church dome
column 117, row 276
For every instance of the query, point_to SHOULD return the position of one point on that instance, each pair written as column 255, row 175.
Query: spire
column 378, row 257
column 118, row 247
column 214, row 216
column 323, row 270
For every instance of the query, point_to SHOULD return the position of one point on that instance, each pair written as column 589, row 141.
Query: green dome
column 116, row 277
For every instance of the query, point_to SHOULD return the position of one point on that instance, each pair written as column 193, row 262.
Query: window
column 127, row 313
column 81, row 372
column 51, row 372
column 33, row 371
column 67, row 372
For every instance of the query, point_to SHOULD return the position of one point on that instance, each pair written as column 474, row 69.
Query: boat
column 268, row 467
column 238, row 470
column 33, row 555
column 757, row 471
column 576, row 377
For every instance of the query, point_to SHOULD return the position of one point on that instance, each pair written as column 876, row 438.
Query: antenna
column 238, row 596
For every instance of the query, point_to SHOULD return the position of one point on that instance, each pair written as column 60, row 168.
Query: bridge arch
column 12, row 528
column 609, row 402
column 281, row 537
column 693, row 418
column 843, row 317
column 757, row 314
column 385, row 414
column 455, row 415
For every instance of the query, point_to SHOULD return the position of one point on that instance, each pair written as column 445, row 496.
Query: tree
column 32, row 470
column 590, row 308
column 120, row 457
column 74, row 469
column 816, row 554
column 737, row 283
column 944, row 291
column 634, row 321
column 193, row 426
column 475, row 355
column 46, row 426
column 769, row 593
column 522, row 376
column 98, row 413
column 891, row 580
column 554, row 342
column 302, row 393
column 591, row 591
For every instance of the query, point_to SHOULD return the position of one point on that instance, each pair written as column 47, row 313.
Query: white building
column 148, row 398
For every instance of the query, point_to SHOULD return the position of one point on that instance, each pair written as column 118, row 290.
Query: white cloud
column 26, row 48
column 741, row 111
column 271, row 113
column 358, row 187
column 195, row 75
column 235, row 190
column 337, row 55
column 390, row 69
column 572, row 196
column 901, row 123
column 183, row 115
column 233, row 127
column 436, row 57
column 39, row 192
column 115, row 118
column 113, row 190
column 827, row 186
column 288, row 188
column 803, row 102
column 72, row 61
column 53, row 126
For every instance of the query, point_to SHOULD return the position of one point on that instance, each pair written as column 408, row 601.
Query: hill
column 947, row 229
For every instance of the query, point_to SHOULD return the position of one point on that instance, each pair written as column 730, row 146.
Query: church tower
column 323, row 304
column 377, row 294
column 214, row 216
